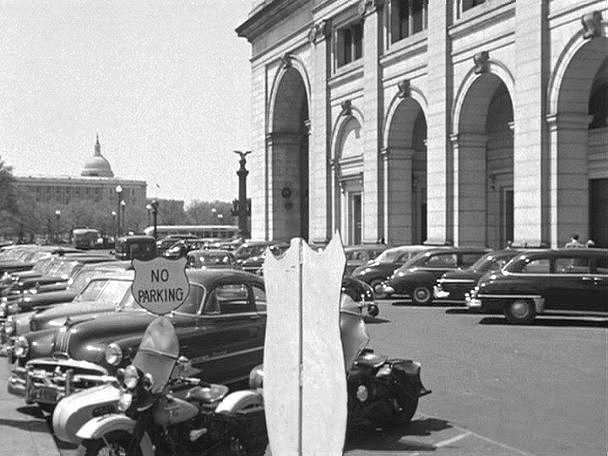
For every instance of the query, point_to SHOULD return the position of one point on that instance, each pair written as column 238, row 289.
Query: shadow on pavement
column 395, row 439
column 31, row 410
column 26, row 425
column 375, row 320
column 550, row 322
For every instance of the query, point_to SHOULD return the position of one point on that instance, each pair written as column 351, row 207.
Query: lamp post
column 115, row 225
column 123, row 219
column 154, row 206
column 149, row 209
column 119, row 194
column 57, row 218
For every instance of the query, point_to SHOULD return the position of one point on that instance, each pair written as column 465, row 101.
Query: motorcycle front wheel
column 113, row 444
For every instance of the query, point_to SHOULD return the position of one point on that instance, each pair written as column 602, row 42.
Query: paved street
column 497, row 389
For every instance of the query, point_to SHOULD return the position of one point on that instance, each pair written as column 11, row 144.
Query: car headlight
column 124, row 401
column 131, row 377
column 113, row 355
column 13, row 308
column 10, row 327
column 3, row 308
column 21, row 347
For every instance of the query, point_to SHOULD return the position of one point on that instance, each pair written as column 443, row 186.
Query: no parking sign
column 160, row 285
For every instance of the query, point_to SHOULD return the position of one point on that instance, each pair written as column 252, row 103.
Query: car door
column 229, row 329
column 438, row 263
column 572, row 284
column 600, row 282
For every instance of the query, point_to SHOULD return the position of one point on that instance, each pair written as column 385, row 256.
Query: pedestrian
column 574, row 242
column 590, row 244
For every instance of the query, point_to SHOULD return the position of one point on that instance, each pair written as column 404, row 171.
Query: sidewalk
column 23, row 428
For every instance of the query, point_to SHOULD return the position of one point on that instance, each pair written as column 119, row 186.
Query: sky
column 165, row 84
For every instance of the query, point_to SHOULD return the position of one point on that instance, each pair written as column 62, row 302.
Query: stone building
column 438, row 121
column 96, row 183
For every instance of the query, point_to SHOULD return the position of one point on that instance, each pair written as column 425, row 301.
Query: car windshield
column 490, row 262
column 81, row 280
column 43, row 265
column 64, row 269
column 215, row 258
column 106, row 290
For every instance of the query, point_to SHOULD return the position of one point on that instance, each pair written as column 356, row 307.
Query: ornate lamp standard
column 154, row 207
column 115, row 224
column 119, row 193
column 123, row 219
column 57, row 218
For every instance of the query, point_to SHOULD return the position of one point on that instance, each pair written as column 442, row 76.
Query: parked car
column 377, row 271
column 137, row 246
column 211, row 259
column 357, row 255
column 255, row 262
column 453, row 285
column 417, row 277
column 533, row 281
column 251, row 248
column 220, row 328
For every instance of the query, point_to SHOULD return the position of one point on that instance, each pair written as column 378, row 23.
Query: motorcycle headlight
column 10, row 327
column 21, row 347
column 113, row 355
column 131, row 377
column 124, row 401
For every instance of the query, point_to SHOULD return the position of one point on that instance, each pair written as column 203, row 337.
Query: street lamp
column 154, row 207
column 115, row 225
column 119, row 193
column 57, row 217
column 149, row 209
column 123, row 219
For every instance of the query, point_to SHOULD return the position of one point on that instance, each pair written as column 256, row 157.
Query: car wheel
column 520, row 311
column 379, row 292
column 48, row 408
column 422, row 295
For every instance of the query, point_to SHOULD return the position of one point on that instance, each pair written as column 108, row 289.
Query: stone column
column 530, row 183
column 372, row 178
column 398, row 204
column 320, row 188
column 569, row 183
column 469, row 177
column 439, row 207
column 335, row 197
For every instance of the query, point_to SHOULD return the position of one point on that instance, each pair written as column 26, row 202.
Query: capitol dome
column 97, row 165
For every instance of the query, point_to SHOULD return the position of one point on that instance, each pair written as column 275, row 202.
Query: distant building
column 472, row 122
column 96, row 183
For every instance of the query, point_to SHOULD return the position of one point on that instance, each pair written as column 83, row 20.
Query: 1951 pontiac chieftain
column 559, row 279
column 220, row 328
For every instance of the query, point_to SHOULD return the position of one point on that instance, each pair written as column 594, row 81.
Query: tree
column 8, row 197
column 209, row 213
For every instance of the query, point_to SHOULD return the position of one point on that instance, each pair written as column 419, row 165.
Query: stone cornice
column 266, row 17
column 486, row 16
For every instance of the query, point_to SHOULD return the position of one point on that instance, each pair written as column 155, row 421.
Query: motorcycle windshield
column 158, row 352
column 352, row 330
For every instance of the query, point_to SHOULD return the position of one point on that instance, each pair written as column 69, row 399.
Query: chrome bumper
column 472, row 303
column 48, row 381
column 438, row 293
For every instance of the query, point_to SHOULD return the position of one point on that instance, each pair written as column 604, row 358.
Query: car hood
column 43, row 299
column 55, row 316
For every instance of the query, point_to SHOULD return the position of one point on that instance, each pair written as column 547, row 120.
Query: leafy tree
column 8, row 197
column 209, row 213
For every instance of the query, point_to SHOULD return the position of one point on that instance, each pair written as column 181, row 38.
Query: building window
column 350, row 43
column 408, row 17
column 468, row 4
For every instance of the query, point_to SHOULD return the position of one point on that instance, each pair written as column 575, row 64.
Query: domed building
column 96, row 183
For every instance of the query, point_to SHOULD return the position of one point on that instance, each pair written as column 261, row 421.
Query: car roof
column 202, row 252
column 211, row 277
column 350, row 248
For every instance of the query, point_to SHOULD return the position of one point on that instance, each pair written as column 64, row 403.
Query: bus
column 86, row 238
column 199, row 231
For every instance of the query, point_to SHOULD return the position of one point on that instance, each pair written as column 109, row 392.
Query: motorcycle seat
column 207, row 394
column 370, row 359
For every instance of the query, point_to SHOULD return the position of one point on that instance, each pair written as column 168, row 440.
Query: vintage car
column 255, row 262
column 25, row 257
column 100, row 292
column 211, row 259
column 417, row 277
column 357, row 255
column 377, row 271
column 135, row 247
column 251, row 248
column 533, row 281
column 220, row 327
column 453, row 285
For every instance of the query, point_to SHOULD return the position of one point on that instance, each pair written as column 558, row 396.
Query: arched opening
column 579, row 140
column 349, row 181
column 289, row 158
column 483, row 161
column 405, row 171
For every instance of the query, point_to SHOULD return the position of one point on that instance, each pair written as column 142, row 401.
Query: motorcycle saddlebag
column 407, row 372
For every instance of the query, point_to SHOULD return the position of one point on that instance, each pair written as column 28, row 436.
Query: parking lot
column 497, row 389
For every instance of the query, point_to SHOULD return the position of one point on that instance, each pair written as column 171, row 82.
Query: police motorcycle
column 153, row 409
column 382, row 391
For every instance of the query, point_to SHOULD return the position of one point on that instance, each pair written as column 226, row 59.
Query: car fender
column 97, row 427
column 407, row 282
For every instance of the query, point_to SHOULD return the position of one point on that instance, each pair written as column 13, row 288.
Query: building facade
column 96, row 184
column 469, row 122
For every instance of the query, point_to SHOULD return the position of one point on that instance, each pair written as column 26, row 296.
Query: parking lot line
column 453, row 439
